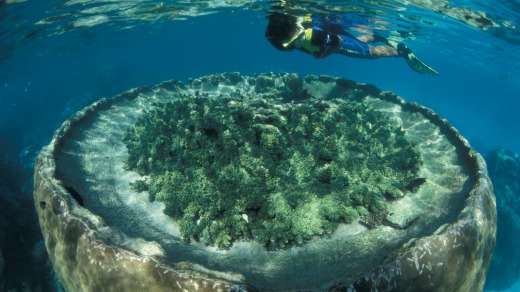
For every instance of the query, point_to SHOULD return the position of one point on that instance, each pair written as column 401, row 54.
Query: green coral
column 276, row 170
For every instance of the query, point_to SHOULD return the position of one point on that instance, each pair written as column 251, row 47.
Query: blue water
column 59, row 56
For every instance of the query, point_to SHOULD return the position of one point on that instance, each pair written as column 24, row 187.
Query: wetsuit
column 319, row 36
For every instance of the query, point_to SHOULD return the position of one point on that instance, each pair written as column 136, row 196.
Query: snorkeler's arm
column 329, row 49
column 320, row 44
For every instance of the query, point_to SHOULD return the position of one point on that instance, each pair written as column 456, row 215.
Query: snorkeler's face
column 298, row 31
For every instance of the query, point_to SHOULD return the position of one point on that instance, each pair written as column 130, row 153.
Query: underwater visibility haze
column 57, row 57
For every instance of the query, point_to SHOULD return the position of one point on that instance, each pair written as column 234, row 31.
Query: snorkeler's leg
column 366, row 38
column 353, row 47
column 382, row 51
column 372, row 38
column 356, row 47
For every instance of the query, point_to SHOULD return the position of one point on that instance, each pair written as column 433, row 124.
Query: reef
column 2, row 262
column 504, row 171
column 357, row 189
column 275, row 169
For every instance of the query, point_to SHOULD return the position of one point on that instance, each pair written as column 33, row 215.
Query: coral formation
column 2, row 262
column 276, row 169
column 440, row 236
column 504, row 171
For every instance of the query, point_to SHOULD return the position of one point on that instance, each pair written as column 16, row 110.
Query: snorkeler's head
column 280, row 29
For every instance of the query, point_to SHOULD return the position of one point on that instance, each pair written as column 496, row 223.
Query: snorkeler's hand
column 328, row 49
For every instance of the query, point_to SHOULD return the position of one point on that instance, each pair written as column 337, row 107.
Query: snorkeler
column 314, row 36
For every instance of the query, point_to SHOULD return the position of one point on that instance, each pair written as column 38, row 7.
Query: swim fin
column 414, row 62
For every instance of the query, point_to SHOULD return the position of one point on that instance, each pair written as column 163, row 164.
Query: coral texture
column 504, row 171
column 276, row 169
